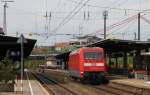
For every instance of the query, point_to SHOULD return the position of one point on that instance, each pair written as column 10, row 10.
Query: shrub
column 7, row 70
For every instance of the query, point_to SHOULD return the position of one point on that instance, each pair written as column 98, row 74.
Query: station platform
column 30, row 87
column 136, row 86
column 138, row 83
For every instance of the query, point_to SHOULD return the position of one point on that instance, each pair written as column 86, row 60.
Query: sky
column 29, row 17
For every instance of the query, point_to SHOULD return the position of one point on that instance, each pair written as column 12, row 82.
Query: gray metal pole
column 134, row 35
column 139, row 26
column 4, row 16
column 105, row 14
column 4, row 19
column 22, row 40
column 105, row 27
column 22, row 60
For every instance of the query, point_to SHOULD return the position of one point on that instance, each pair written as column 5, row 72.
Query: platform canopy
column 10, row 43
column 63, row 56
column 117, row 45
column 114, row 46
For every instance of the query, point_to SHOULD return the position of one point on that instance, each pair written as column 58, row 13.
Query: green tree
column 7, row 70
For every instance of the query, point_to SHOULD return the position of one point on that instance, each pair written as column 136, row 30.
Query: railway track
column 53, row 87
column 103, row 89
column 114, row 91
column 122, row 91
column 110, row 89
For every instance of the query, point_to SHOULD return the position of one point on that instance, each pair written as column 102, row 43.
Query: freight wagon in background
column 88, row 63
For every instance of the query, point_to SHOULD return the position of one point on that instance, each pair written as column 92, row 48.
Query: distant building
column 43, row 50
column 39, row 50
column 88, row 39
column 63, row 45
column 80, row 42
column 71, row 46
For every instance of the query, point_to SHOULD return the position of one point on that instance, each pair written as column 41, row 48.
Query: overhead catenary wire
column 115, row 3
column 124, row 29
column 119, row 23
column 72, row 14
column 112, row 8
column 121, row 27
column 89, row 3
column 113, row 25
column 61, row 23
column 146, row 20
column 68, row 15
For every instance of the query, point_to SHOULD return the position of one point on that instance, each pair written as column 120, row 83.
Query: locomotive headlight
column 87, row 64
column 94, row 64
column 100, row 64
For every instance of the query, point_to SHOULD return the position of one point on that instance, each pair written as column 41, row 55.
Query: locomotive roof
column 90, row 47
column 77, row 50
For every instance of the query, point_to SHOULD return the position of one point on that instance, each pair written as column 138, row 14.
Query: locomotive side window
column 92, row 55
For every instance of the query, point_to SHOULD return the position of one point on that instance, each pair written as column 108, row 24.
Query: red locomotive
column 88, row 64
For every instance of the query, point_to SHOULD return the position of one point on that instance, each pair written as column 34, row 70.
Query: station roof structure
column 10, row 43
column 114, row 46
column 64, row 55
column 117, row 45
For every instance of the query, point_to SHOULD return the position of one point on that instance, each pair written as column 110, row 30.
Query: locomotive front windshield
column 92, row 55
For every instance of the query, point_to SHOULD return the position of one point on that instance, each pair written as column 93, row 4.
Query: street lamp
column 22, row 40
